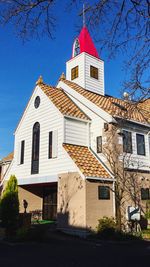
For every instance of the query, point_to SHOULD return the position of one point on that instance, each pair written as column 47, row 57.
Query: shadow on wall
column 64, row 226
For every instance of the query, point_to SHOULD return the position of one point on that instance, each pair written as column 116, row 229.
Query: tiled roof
column 8, row 157
column 115, row 106
column 145, row 104
column 65, row 105
column 86, row 161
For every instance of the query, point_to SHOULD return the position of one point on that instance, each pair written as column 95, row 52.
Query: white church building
column 59, row 160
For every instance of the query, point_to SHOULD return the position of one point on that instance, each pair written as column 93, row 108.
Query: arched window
column 76, row 48
column 35, row 148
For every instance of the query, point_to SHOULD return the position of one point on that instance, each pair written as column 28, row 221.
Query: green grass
column 43, row 221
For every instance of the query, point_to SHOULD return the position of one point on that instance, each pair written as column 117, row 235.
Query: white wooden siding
column 76, row 132
column 76, row 61
column 19, row 152
column 92, row 84
column 84, row 61
column 139, row 161
column 50, row 119
column 96, row 126
column 54, row 144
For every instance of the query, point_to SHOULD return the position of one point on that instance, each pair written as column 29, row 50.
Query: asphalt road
column 74, row 252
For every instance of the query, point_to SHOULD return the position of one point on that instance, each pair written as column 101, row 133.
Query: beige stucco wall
column 71, row 201
column 97, row 208
column 33, row 195
column 78, row 203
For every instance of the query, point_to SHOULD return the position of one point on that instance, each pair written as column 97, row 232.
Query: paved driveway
column 73, row 252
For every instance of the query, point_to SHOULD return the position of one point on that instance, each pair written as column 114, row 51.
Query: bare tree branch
column 120, row 26
column 31, row 18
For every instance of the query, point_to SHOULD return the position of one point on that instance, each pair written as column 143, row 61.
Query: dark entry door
column 50, row 203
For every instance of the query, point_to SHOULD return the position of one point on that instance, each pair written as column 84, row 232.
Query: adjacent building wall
column 139, row 161
column 132, row 196
column 3, row 169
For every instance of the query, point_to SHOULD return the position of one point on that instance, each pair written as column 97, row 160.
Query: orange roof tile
column 115, row 106
column 145, row 104
column 65, row 105
column 8, row 157
column 86, row 161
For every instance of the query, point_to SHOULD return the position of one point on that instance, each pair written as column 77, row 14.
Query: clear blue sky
column 21, row 64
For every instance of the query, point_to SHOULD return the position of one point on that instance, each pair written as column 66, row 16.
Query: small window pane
column 22, row 152
column 127, row 142
column 35, row 148
column 99, row 144
column 74, row 73
column 145, row 193
column 140, row 142
column 94, row 72
column 103, row 192
column 50, row 145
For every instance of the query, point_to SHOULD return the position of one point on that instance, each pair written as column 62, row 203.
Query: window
column 145, row 194
column 94, row 72
column 76, row 48
column 50, row 146
column 103, row 192
column 53, row 146
column 99, row 144
column 74, row 73
column 35, row 148
column 140, row 143
column 37, row 102
column 127, row 142
column 22, row 152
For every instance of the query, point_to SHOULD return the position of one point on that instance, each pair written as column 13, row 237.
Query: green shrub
column 36, row 233
column 106, row 224
column 21, row 233
column 106, row 228
column 9, row 205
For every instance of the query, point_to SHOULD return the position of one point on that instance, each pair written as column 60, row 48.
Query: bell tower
column 85, row 67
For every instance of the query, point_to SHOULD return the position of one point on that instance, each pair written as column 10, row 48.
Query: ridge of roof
column 87, row 163
column 114, row 106
column 63, row 102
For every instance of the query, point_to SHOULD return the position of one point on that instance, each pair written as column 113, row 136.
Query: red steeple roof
column 86, row 43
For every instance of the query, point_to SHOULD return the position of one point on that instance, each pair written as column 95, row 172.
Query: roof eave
column 77, row 118
column 97, row 110
column 103, row 179
column 134, row 121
